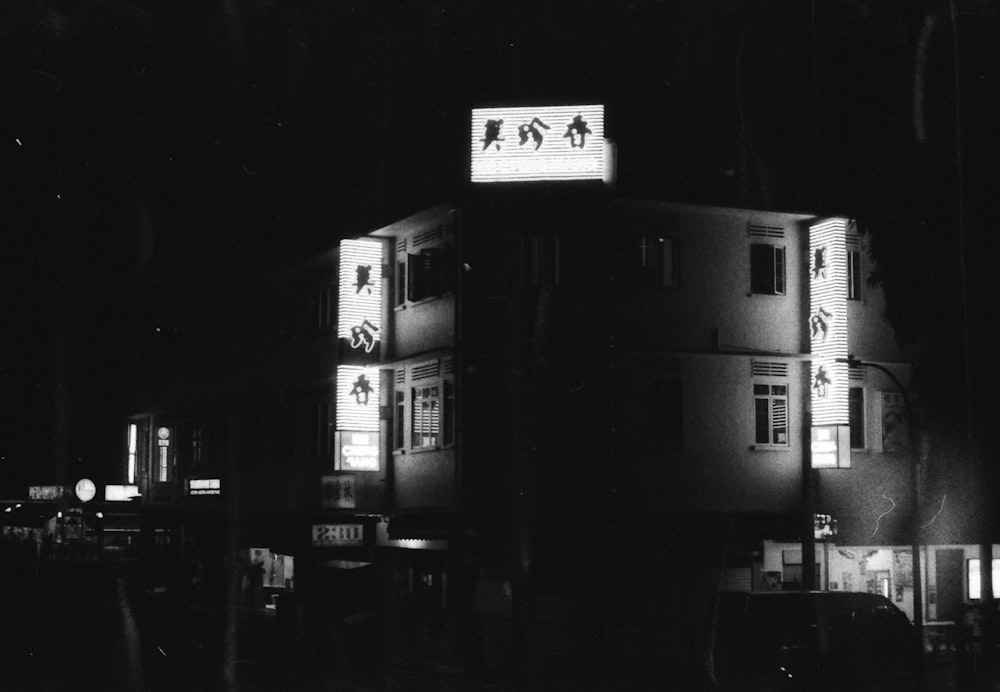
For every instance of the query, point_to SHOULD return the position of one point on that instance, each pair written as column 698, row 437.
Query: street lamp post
column 918, row 600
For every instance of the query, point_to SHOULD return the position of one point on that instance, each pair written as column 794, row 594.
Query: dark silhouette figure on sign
column 361, row 389
column 492, row 134
column 363, row 336
column 531, row 130
column 821, row 381
column 819, row 263
column 364, row 278
column 577, row 132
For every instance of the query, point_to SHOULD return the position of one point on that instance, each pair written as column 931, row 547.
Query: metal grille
column 427, row 236
column 856, row 374
column 447, row 365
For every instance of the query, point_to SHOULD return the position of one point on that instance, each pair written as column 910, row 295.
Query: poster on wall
column 902, row 564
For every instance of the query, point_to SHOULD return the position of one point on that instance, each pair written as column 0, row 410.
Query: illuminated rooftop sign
column 538, row 143
column 359, row 319
column 357, row 398
column 829, row 387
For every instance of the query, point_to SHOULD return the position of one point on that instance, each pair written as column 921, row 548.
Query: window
column 400, row 282
column 540, row 261
column 767, row 269
column 853, row 275
column 856, row 412
column 448, row 426
column 132, row 445
column 975, row 578
column 324, row 307
column 771, row 414
column 319, row 431
column 398, row 437
column 427, row 273
column 665, row 411
column 658, row 261
column 426, row 409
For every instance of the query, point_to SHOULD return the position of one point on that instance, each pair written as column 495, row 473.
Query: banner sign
column 357, row 451
column 829, row 387
column 204, row 486
column 48, row 492
column 337, row 492
column 359, row 312
column 357, row 398
column 538, row 143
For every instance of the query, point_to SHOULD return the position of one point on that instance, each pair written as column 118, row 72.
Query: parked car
column 791, row 641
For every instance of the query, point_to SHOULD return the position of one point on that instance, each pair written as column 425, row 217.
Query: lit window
column 425, row 416
column 767, row 269
column 975, row 578
column 856, row 412
column 853, row 275
column 132, row 444
column 771, row 414
column 658, row 261
column 195, row 447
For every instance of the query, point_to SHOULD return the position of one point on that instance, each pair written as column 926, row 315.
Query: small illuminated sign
column 357, row 398
column 204, row 486
column 120, row 493
column 830, row 447
column 85, row 490
column 359, row 317
column 538, row 143
column 337, row 492
column 324, row 535
column 47, row 492
column 357, row 451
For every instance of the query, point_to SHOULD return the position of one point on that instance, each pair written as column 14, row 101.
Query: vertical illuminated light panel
column 359, row 318
column 828, row 384
column 357, row 398
column 538, row 143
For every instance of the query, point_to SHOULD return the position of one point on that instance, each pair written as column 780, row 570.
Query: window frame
column 771, row 399
column 858, row 426
column 854, row 275
column 659, row 260
column 777, row 267
column 407, row 426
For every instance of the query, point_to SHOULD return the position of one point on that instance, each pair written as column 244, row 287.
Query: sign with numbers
column 324, row 535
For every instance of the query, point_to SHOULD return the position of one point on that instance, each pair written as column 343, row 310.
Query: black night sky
column 146, row 145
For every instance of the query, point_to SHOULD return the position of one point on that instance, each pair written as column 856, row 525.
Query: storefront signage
column 337, row 492
column 359, row 311
column 120, row 493
column 85, row 490
column 357, row 398
column 827, row 325
column 48, row 492
column 204, row 486
column 337, row 535
column 357, row 451
column 538, row 143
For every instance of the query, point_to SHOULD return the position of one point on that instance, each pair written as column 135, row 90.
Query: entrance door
column 948, row 577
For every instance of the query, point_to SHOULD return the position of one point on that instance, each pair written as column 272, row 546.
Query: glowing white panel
column 543, row 143
column 205, row 486
column 357, row 398
column 120, row 493
column 359, row 319
column 828, row 322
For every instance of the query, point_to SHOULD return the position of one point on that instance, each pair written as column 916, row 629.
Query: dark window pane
column 762, row 422
column 856, row 410
column 762, row 269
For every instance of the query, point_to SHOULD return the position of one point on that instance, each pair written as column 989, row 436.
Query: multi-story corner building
column 571, row 414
